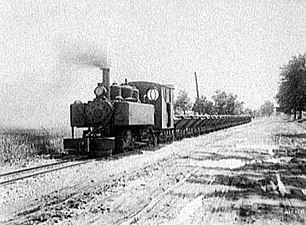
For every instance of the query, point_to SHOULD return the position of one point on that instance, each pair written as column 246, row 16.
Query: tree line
column 222, row 104
column 291, row 95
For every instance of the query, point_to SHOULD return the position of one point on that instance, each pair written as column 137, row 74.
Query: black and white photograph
column 168, row 112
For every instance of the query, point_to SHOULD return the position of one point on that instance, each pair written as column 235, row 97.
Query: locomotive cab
column 162, row 97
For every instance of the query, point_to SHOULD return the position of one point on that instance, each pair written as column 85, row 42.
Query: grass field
column 23, row 145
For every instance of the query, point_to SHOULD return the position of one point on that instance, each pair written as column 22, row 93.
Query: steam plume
column 88, row 55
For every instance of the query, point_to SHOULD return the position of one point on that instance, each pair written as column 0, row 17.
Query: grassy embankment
column 19, row 146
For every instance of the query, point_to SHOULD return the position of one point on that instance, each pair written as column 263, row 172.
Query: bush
column 18, row 145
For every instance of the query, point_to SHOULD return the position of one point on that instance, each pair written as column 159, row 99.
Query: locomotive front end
column 114, row 119
column 94, row 113
column 96, row 117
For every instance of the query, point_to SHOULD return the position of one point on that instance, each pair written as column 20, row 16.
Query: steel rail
column 43, row 172
column 58, row 168
column 39, row 167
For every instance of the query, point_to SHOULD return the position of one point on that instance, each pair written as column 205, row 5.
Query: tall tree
column 227, row 104
column 292, row 90
column 203, row 106
column 250, row 112
column 182, row 102
column 267, row 109
column 238, row 108
column 220, row 99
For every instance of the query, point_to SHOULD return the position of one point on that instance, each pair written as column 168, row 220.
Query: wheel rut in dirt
column 230, row 177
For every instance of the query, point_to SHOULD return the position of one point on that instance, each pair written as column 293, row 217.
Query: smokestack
column 106, row 81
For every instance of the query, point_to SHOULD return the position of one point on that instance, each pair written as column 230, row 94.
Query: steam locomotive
column 133, row 114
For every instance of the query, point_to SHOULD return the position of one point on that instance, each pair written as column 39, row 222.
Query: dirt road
column 250, row 174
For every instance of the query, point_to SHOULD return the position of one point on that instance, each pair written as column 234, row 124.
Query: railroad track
column 13, row 176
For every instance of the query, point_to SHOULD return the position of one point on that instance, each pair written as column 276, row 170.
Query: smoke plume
column 76, row 62
column 84, row 54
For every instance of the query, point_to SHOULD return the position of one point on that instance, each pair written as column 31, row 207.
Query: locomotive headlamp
column 100, row 90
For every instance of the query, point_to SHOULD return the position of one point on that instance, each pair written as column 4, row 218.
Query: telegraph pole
column 197, row 88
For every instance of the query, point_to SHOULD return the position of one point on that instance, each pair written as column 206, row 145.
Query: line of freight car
column 187, row 126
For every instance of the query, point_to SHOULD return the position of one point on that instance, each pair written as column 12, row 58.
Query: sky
column 48, row 50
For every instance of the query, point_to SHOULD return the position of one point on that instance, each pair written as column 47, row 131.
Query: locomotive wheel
column 119, row 145
column 132, row 144
column 153, row 140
